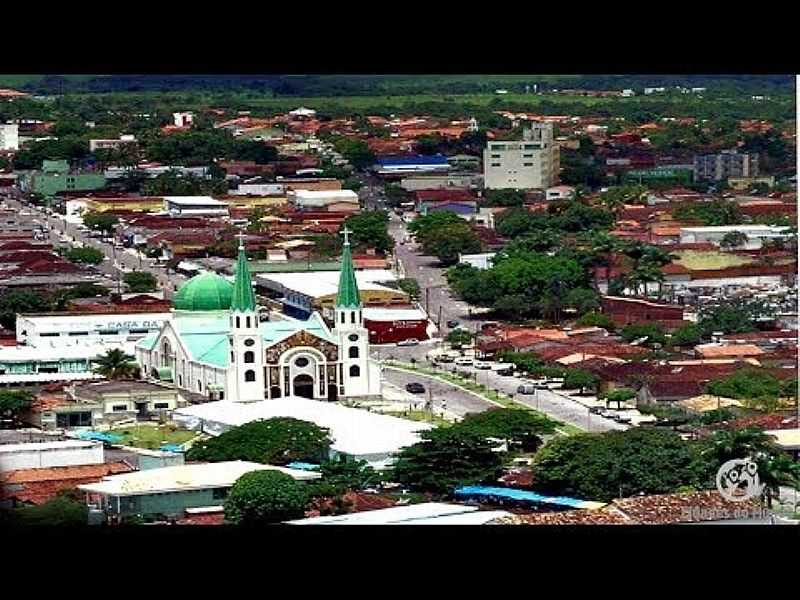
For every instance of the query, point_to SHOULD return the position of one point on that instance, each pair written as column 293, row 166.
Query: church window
column 250, row 375
column 355, row 371
column 249, row 342
column 249, row 356
column 342, row 317
column 233, row 357
column 352, row 317
column 180, row 380
column 353, row 337
column 238, row 322
column 199, row 386
column 301, row 362
column 248, row 321
column 353, row 352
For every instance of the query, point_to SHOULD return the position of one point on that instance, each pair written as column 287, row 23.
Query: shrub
column 264, row 497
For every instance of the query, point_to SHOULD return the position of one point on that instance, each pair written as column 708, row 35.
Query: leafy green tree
column 352, row 183
column 258, row 152
column 688, row 335
column 356, row 152
column 448, row 241
column 505, row 197
column 57, row 512
column 85, row 255
column 104, row 222
column 747, row 384
column 734, row 316
column 13, row 403
column 652, row 331
column 115, row 364
column 580, row 379
column 370, row 230
column 596, row 319
column 618, row 395
column 515, row 222
column 424, row 225
column 280, row 440
column 445, row 459
column 410, row 286
column 265, row 497
column 344, row 474
column 20, row 301
column 512, row 425
column 175, row 183
column 604, row 466
column 395, row 194
column 140, row 282
column 582, row 300
column 459, row 337
column 717, row 212
column 733, row 239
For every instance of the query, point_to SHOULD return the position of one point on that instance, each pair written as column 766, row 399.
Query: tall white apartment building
column 9, row 137
column 532, row 163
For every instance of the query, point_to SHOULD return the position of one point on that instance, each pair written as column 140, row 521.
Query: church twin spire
column 347, row 295
column 244, row 299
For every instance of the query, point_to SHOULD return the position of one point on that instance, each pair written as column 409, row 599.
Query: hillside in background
column 377, row 85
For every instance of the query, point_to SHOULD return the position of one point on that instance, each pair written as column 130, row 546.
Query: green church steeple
column 347, row 295
column 243, row 297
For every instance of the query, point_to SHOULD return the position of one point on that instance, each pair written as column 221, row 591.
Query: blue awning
column 477, row 491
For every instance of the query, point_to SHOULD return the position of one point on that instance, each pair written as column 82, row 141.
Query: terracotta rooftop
column 661, row 509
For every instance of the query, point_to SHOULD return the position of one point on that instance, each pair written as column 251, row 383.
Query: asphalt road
column 442, row 395
column 118, row 261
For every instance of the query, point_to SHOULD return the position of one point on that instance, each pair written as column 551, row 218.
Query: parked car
column 415, row 388
column 452, row 324
column 444, row 358
column 596, row 410
column 409, row 342
column 464, row 361
column 482, row 365
column 526, row 388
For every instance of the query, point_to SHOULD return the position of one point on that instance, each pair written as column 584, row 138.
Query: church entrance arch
column 303, row 386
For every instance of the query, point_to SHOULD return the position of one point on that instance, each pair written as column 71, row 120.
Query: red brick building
column 625, row 311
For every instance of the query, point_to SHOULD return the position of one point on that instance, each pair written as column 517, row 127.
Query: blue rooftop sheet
column 437, row 159
column 513, row 494
column 99, row 437
column 302, row 466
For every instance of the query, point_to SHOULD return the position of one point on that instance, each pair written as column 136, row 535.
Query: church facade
column 216, row 344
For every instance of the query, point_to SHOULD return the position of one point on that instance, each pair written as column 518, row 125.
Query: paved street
column 129, row 259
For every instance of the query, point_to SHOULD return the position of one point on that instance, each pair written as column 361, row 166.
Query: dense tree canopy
column 370, row 230
column 278, row 441
column 445, row 459
column 616, row 464
column 140, row 282
column 20, row 301
column 104, row 222
column 86, row 255
column 265, row 497
column 514, row 426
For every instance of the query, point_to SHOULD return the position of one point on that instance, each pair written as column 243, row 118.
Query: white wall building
column 532, row 163
column 321, row 198
column 756, row 234
column 9, row 137
column 58, row 331
column 259, row 189
column 195, row 206
column 559, row 192
column 183, row 119
column 109, row 144
column 481, row 261
column 50, row 454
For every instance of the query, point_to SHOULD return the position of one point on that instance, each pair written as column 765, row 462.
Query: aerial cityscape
column 231, row 300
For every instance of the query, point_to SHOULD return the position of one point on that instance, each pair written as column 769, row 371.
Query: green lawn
column 420, row 415
column 152, row 437
column 702, row 261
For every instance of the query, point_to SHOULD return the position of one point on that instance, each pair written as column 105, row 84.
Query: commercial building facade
column 717, row 167
column 532, row 163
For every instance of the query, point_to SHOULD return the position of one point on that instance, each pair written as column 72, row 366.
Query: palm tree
column 727, row 445
column 775, row 470
column 115, row 364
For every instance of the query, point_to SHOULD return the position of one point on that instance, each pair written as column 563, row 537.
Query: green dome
column 207, row 291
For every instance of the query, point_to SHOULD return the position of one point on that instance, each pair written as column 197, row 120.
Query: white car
column 482, row 365
column 409, row 342
column 464, row 361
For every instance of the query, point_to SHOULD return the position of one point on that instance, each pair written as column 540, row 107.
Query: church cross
column 346, row 233
column 241, row 237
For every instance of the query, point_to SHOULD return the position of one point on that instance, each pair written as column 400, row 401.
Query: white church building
column 217, row 346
